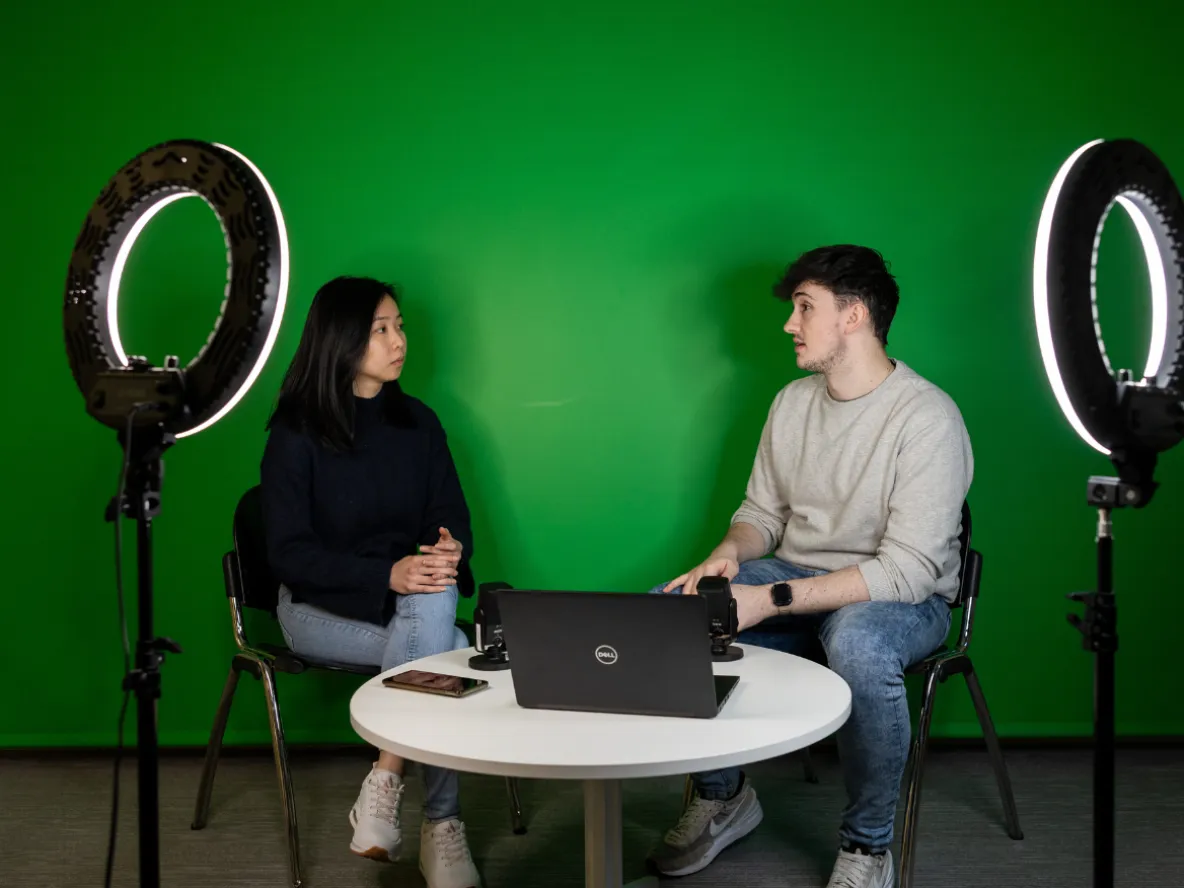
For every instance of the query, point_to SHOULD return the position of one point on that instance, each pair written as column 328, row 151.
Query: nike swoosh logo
column 716, row 828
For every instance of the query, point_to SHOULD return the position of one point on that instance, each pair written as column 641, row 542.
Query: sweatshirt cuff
column 752, row 519
column 879, row 586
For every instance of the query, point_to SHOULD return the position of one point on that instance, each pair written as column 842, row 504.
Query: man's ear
column 857, row 316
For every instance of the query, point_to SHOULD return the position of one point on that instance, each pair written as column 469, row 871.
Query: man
column 857, row 488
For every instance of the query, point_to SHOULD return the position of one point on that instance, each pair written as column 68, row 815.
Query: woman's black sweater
column 337, row 522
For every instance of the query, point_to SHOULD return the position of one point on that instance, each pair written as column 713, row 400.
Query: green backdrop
column 586, row 205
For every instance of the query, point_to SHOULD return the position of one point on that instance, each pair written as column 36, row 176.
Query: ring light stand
column 153, row 407
column 1131, row 420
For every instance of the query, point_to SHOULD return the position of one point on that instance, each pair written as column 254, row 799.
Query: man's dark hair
column 852, row 273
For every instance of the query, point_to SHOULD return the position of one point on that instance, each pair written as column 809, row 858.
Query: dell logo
column 606, row 655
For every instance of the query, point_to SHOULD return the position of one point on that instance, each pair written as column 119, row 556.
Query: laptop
column 636, row 654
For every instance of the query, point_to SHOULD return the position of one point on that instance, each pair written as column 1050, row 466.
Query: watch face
column 781, row 594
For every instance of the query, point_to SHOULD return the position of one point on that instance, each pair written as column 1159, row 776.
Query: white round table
column 782, row 703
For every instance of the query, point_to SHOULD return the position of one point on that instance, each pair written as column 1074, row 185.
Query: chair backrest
column 964, row 560
column 969, row 573
column 258, row 586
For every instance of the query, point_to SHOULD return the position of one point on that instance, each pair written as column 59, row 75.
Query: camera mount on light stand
column 723, row 624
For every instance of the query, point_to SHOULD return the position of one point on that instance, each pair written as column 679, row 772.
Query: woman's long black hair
column 317, row 392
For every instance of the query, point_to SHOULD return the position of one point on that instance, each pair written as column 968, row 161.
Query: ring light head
column 1128, row 418
column 184, row 400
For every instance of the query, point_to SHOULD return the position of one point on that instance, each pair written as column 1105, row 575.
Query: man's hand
column 447, row 547
column 712, row 567
column 742, row 543
column 422, row 573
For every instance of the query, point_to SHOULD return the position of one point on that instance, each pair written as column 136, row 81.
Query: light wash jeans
column 869, row 644
column 424, row 624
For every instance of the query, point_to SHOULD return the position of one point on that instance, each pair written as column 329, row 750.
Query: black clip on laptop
column 637, row 654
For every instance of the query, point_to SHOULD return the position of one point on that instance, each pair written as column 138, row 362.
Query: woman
column 368, row 531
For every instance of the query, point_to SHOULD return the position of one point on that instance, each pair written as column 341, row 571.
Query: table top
column 781, row 704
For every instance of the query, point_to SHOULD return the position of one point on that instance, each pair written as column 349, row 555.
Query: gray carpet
column 54, row 814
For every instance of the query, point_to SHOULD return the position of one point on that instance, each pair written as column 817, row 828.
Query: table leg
column 602, row 837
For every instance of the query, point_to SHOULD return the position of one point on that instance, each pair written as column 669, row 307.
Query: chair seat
column 288, row 661
column 922, row 666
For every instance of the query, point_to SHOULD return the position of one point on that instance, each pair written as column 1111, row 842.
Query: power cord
column 127, row 656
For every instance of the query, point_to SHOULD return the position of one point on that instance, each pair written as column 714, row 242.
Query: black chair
column 936, row 668
column 251, row 584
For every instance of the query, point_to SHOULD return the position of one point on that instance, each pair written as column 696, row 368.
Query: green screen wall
column 586, row 205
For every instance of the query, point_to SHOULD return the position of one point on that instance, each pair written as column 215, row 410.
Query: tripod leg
column 908, row 841
column 206, row 788
column 281, row 765
column 1011, row 816
column 515, row 806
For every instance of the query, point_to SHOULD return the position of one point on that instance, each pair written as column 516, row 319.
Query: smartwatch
column 782, row 597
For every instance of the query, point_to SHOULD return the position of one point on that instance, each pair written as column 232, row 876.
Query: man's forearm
column 742, row 543
column 828, row 592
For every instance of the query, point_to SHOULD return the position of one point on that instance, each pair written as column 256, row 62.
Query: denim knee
column 861, row 659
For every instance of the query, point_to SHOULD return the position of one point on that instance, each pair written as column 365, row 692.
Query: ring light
column 1113, row 413
column 190, row 399
column 1129, row 420
column 154, row 406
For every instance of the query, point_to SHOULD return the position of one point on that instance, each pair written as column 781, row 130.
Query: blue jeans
column 869, row 644
column 424, row 624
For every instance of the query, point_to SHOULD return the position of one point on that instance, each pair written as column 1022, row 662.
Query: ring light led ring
column 1095, row 177
column 257, row 278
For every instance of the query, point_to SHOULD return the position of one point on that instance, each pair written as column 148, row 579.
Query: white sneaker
column 375, row 817
column 444, row 857
column 854, row 869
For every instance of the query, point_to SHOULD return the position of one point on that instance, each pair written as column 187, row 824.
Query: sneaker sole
column 736, row 830
column 376, row 853
column 425, row 878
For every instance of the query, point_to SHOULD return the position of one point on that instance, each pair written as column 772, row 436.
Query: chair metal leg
column 908, row 841
column 213, row 750
column 267, row 676
column 1010, row 814
column 808, row 766
column 515, row 806
column 688, row 792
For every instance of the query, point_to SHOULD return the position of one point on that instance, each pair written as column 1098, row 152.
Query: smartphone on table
column 435, row 683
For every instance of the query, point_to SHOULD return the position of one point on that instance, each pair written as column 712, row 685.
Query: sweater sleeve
column 447, row 507
column 765, row 506
column 296, row 554
column 933, row 474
